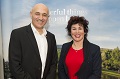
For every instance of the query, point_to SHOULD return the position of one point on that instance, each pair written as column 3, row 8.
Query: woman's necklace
column 75, row 48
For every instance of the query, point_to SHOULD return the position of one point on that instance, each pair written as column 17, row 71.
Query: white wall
column 1, row 55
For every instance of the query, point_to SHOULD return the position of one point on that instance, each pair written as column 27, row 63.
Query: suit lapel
column 66, row 51
column 33, row 40
column 86, row 50
column 49, row 47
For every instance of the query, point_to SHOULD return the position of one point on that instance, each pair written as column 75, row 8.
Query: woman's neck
column 77, row 45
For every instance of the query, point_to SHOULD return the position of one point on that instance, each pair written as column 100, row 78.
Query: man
column 32, row 49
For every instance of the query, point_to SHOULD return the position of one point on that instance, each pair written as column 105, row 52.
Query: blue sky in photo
column 103, row 17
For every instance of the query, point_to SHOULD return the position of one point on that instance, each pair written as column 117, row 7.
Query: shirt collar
column 35, row 31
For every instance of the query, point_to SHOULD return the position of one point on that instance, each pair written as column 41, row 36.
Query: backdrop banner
column 103, row 17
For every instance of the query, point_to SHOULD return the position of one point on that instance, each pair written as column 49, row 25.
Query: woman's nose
column 77, row 31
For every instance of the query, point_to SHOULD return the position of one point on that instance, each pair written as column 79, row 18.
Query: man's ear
column 48, row 15
column 30, row 14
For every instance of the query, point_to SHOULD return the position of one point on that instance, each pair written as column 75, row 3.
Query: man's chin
column 41, row 27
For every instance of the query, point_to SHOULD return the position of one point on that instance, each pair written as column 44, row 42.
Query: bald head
column 40, row 6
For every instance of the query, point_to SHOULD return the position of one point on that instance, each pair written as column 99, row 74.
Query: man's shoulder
column 50, row 34
column 21, row 28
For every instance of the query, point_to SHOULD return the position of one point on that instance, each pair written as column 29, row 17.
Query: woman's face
column 77, row 32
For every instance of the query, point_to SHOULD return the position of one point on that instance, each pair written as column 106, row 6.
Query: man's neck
column 40, row 31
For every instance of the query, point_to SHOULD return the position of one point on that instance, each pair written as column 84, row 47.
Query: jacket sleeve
column 15, row 57
column 61, row 69
column 53, row 67
column 96, row 65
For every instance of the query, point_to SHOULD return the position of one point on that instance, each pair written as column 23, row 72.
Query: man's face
column 39, row 15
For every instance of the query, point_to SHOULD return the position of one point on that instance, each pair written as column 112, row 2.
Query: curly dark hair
column 77, row 20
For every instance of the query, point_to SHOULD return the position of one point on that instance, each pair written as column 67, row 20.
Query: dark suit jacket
column 91, row 67
column 24, row 58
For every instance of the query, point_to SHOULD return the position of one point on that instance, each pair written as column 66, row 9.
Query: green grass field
column 111, row 73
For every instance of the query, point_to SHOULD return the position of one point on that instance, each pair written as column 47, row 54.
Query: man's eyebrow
column 36, row 12
column 40, row 13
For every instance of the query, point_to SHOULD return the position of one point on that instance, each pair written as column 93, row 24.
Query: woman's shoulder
column 67, row 44
column 94, row 46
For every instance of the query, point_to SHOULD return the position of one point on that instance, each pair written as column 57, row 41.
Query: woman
column 79, row 58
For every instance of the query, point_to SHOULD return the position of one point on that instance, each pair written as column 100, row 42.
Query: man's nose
column 40, row 17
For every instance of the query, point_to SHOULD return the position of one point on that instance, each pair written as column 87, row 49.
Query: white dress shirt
column 42, row 45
